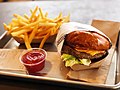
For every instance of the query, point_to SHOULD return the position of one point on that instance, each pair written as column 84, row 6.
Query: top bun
column 87, row 40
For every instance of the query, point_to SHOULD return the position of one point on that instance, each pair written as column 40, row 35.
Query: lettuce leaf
column 85, row 61
column 71, row 60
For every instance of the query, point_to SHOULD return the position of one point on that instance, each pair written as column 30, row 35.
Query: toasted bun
column 87, row 40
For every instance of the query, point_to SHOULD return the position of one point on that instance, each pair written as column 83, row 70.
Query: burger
column 84, row 49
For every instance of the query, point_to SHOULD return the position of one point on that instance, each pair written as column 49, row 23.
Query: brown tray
column 56, row 78
column 12, row 44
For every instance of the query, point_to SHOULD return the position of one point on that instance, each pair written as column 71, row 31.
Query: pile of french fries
column 36, row 26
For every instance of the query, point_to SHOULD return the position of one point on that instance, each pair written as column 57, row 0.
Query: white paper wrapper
column 66, row 28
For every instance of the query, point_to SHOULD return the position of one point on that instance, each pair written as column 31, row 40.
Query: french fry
column 52, row 31
column 39, row 37
column 48, row 19
column 27, row 43
column 60, row 16
column 36, row 26
column 6, row 27
column 20, row 17
column 33, row 13
column 44, row 39
column 41, row 13
column 67, row 19
column 14, row 20
column 46, row 14
column 33, row 34
column 45, row 32
column 24, row 27
column 20, row 32
column 58, row 20
column 21, row 36
column 21, row 23
column 26, row 16
column 47, row 24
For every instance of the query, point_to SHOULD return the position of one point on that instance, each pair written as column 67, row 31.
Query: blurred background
column 14, row 0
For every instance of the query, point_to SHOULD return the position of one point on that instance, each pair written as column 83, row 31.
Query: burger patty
column 68, row 50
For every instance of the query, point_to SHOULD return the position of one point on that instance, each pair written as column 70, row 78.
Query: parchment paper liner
column 110, row 28
column 66, row 28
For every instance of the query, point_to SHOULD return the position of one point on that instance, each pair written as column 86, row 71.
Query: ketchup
column 33, row 57
column 34, row 60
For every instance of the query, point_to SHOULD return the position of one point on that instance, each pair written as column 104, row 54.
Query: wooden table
column 81, row 11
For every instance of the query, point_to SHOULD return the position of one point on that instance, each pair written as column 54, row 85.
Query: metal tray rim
column 116, row 86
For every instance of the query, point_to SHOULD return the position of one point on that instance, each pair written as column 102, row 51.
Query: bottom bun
column 84, row 67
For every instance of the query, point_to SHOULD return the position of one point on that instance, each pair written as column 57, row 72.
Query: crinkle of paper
column 66, row 28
